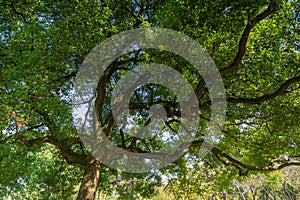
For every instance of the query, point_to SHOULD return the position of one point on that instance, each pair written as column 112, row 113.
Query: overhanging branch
column 240, row 165
column 282, row 90
column 242, row 45
column 63, row 145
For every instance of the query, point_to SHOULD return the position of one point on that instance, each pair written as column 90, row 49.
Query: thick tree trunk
column 90, row 180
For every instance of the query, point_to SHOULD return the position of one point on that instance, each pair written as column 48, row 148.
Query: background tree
column 255, row 45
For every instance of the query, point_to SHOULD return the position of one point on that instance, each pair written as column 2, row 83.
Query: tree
column 255, row 46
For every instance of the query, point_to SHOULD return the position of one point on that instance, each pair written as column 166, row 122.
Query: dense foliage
column 255, row 45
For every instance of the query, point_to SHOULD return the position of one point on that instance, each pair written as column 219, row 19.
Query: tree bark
column 89, row 183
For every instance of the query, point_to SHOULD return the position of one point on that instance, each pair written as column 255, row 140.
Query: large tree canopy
column 254, row 44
